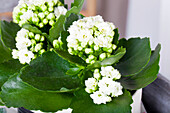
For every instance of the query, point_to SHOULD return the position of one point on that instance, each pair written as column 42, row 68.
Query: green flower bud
column 109, row 50
column 41, row 25
column 60, row 4
column 41, row 15
column 114, row 46
column 43, row 8
column 108, row 54
column 80, row 54
column 42, row 38
column 45, row 21
column 79, row 48
column 96, row 48
column 97, row 75
column 96, row 71
column 42, row 51
column 50, row 9
column 91, row 57
column 21, row 23
column 102, row 56
column 32, row 7
column 51, row 16
column 56, row 44
column 88, row 51
column 37, row 37
column 92, row 62
column 24, row 5
column 38, row 47
column 87, row 60
column 35, row 19
column 51, row 4
column 33, row 42
column 51, row 22
column 31, row 34
column 46, row 13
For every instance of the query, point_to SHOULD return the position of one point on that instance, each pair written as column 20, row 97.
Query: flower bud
column 97, row 75
column 45, row 21
column 42, row 38
column 70, row 51
column 33, row 42
column 43, row 8
column 51, row 4
column 102, row 56
column 87, row 60
column 56, row 44
column 51, row 22
column 88, row 90
column 88, row 51
column 50, row 9
column 32, row 7
column 37, row 37
column 41, row 15
column 51, row 16
column 114, row 46
column 31, row 34
column 79, row 48
column 96, row 47
column 35, row 19
column 42, row 51
column 38, row 47
column 91, row 57
column 24, row 5
column 41, row 25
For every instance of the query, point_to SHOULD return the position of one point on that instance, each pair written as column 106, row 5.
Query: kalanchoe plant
column 53, row 59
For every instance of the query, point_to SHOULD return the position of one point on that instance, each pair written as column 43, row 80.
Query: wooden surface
column 156, row 96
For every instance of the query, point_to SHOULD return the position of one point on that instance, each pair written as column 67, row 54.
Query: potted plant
column 53, row 58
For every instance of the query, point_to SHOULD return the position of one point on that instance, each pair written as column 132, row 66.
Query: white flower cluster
column 38, row 12
column 91, row 38
column 29, row 46
column 102, row 86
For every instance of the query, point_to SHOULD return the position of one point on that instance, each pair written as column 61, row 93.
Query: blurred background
column 134, row 18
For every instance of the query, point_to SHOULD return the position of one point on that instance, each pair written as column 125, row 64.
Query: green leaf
column 48, row 72
column 116, row 36
column 2, row 110
column 146, row 76
column 1, row 103
column 74, row 71
column 64, row 35
column 83, row 103
column 55, row 31
column 8, row 33
column 71, row 18
column 5, row 53
column 7, row 69
column 16, row 93
column 62, row 1
column 137, row 56
column 32, row 28
column 71, row 58
column 76, row 7
column 110, row 60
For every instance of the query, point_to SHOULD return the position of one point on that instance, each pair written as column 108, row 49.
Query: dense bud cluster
column 103, row 85
column 29, row 46
column 91, row 38
column 38, row 12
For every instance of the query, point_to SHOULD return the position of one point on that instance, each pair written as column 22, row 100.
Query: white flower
column 23, row 43
column 91, row 84
column 100, row 98
column 38, row 47
column 110, row 87
column 60, row 10
column 110, row 72
column 25, row 56
column 23, row 33
column 15, row 54
column 27, row 15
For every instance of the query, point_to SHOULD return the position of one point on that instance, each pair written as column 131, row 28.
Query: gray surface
column 7, row 5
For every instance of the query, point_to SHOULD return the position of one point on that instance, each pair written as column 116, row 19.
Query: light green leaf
column 32, row 28
column 55, row 31
column 137, row 56
column 8, row 33
column 146, row 76
column 48, row 72
column 7, row 69
column 73, row 59
column 110, row 60
column 76, row 7
column 17, row 93
column 83, row 103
